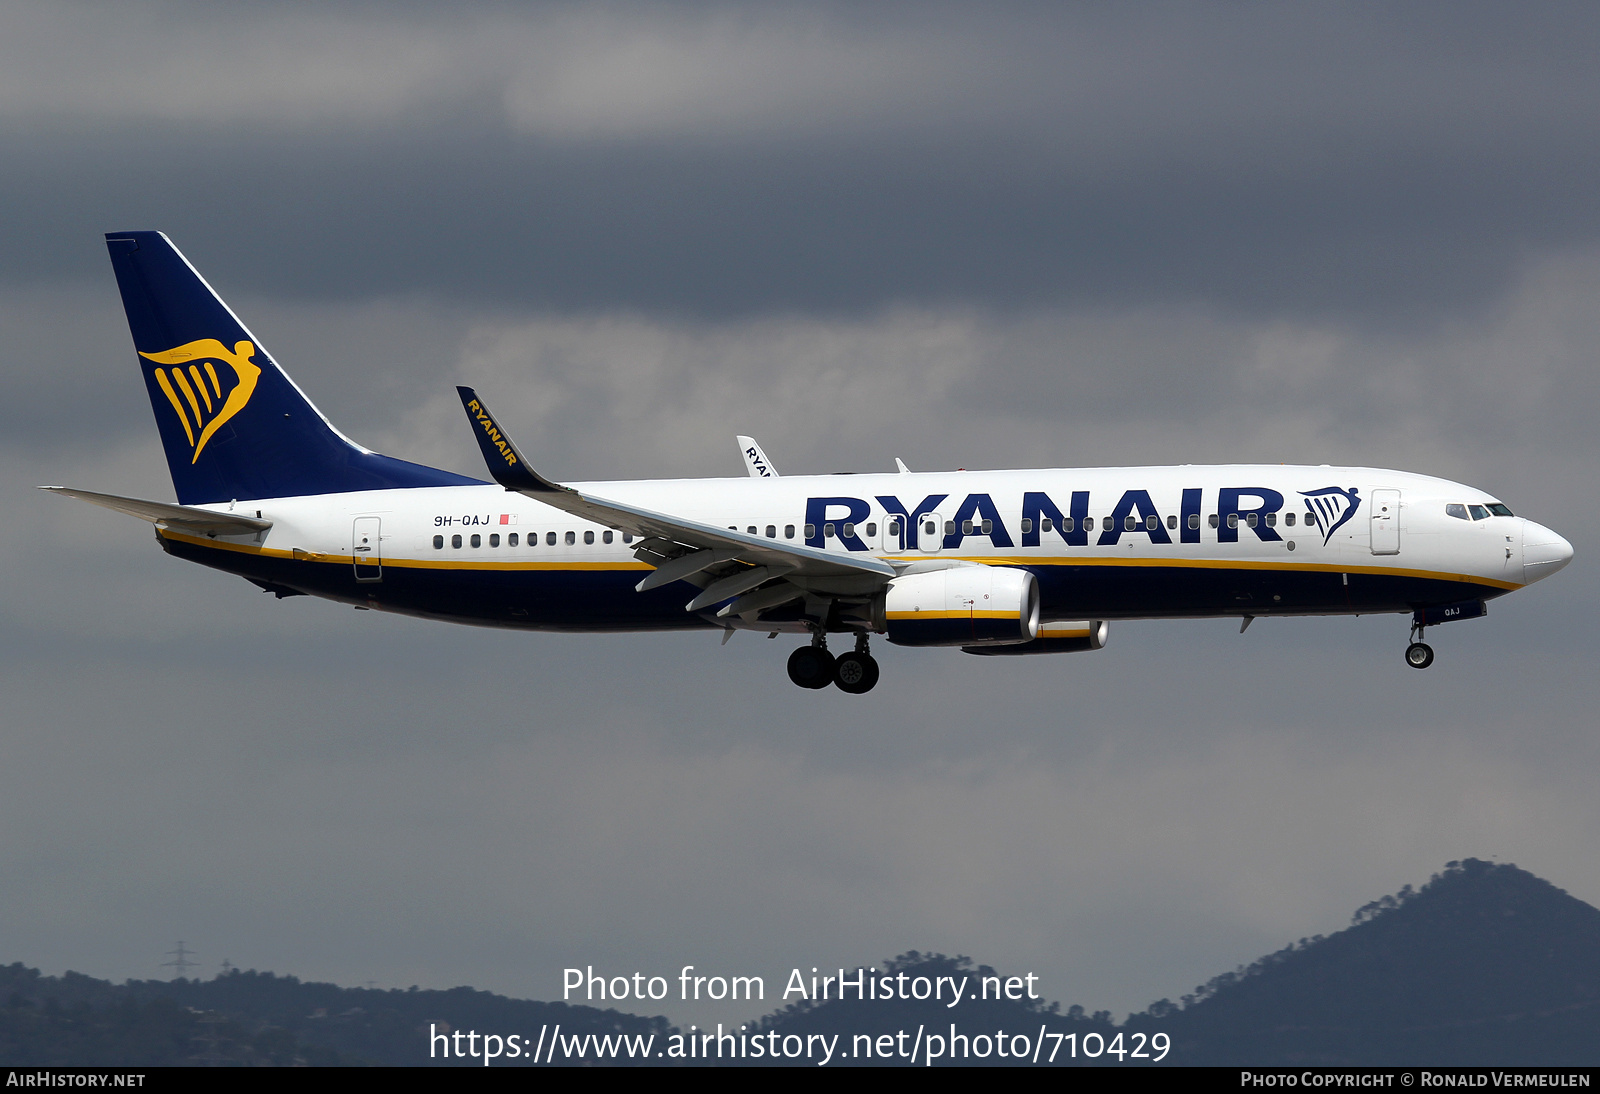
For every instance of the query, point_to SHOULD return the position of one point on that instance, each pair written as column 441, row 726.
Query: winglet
column 755, row 460
column 506, row 464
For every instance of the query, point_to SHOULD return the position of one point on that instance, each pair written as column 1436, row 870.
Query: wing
column 183, row 518
column 738, row 565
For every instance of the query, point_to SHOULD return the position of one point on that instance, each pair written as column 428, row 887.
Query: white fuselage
column 1121, row 542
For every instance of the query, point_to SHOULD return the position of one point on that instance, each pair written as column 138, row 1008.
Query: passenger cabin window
column 1194, row 522
column 1152, row 522
column 750, row 530
column 1172, row 522
column 1213, row 520
column 966, row 527
column 928, row 528
column 455, row 542
column 788, row 531
column 627, row 537
column 1233, row 520
column 512, row 540
column 811, row 531
column 894, row 528
column 1044, row 524
column 477, row 540
column 949, row 527
column 827, row 531
column 606, row 535
column 572, row 537
column 1130, row 522
column 872, row 529
column 494, row 539
column 1272, row 519
column 588, row 537
column 1252, row 520
column 849, row 530
column 772, row 531
column 1288, row 520
column 988, row 527
column 550, row 539
column 438, row 543
column 1457, row 510
column 1027, row 525
column 1106, row 524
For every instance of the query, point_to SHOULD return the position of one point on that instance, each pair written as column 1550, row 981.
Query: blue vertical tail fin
column 232, row 422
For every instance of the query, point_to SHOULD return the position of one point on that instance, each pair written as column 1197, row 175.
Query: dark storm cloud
column 1308, row 161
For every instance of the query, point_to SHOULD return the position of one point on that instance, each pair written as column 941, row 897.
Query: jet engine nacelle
column 962, row 606
column 1074, row 637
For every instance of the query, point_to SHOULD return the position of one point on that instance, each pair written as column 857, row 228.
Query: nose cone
column 1543, row 552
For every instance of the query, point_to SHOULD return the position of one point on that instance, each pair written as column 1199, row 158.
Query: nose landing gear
column 1419, row 655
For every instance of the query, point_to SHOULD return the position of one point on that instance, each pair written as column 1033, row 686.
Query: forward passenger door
column 1385, row 520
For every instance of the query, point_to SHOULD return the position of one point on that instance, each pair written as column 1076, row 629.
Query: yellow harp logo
column 203, row 399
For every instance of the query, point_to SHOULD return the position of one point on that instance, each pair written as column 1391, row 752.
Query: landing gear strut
column 1419, row 655
column 856, row 672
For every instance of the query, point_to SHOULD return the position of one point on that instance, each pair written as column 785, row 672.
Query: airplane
column 996, row 563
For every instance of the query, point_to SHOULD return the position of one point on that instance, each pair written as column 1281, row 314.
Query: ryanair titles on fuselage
column 1254, row 509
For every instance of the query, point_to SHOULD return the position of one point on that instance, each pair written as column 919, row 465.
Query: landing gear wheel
column 855, row 673
column 811, row 667
column 1419, row 655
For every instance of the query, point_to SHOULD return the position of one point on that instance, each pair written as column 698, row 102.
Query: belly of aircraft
column 603, row 598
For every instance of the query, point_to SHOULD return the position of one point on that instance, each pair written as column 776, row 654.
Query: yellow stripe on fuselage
column 953, row 615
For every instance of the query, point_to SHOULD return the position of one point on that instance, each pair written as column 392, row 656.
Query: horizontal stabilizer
column 183, row 518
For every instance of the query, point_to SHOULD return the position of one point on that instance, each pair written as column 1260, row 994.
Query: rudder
column 232, row 422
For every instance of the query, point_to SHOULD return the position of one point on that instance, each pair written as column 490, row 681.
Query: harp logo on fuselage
column 203, row 395
column 1331, row 507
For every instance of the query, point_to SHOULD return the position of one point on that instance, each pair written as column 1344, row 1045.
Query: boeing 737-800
column 990, row 562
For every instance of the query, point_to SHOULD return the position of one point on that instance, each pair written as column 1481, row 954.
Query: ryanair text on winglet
column 493, row 433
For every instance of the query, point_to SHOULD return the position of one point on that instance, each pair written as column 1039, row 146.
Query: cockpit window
column 1478, row 512
column 1499, row 510
column 1457, row 510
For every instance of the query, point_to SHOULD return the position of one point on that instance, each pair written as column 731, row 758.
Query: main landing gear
column 814, row 667
column 1419, row 655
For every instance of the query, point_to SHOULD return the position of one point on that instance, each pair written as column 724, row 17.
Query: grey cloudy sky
column 1021, row 236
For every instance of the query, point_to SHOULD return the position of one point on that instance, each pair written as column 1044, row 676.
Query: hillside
column 1485, row 964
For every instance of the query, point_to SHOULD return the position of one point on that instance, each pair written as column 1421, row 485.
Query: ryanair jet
column 997, row 563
